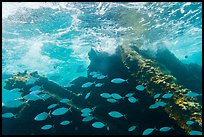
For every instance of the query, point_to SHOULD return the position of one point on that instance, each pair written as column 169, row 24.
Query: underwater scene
column 102, row 68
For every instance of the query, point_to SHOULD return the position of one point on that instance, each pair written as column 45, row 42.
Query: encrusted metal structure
column 145, row 71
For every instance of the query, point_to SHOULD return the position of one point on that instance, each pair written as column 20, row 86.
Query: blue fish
column 93, row 73
column 87, row 110
column 66, row 122
column 165, row 129
column 99, row 125
column 65, row 100
column 98, row 84
column 111, row 100
column 190, row 122
column 69, row 85
column 167, row 95
column 14, row 103
column 140, row 87
column 116, row 114
column 96, row 75
column 118, row 80
column 42, row 116
column 101, row 77
column 47, row 127
column 8, row 115
column 132, row 128
column 192, row 94
column 161, row 103
column 89, row 118
column 148, row 131
column 52, row 106
column 36, row 92
column 35, row 88
column 132, row 99
column 15, row 90
column 44, row 96
column 116, row 96
column 153, row 106
column 194, row 132
column 157, row 95
column 32, row 97
column 129, row 95
column 60, row 111
column 105, row 95
column 87, row 84
column 87, row 95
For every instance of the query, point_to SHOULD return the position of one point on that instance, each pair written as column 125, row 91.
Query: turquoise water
column 55, row 38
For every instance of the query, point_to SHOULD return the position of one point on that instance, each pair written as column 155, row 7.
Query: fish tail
column 127, row 80
column 94, row 108
column 155, row 128
column 200, row 94
column 125, row 116
column 27, row 102
column 49, row 113
column 107, row 127
column 15, row 116
column 40, row 97
column 42, row 86
column 70, row 109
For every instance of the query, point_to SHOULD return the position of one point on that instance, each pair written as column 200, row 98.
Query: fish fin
column 125, row 116
column 127, row 80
